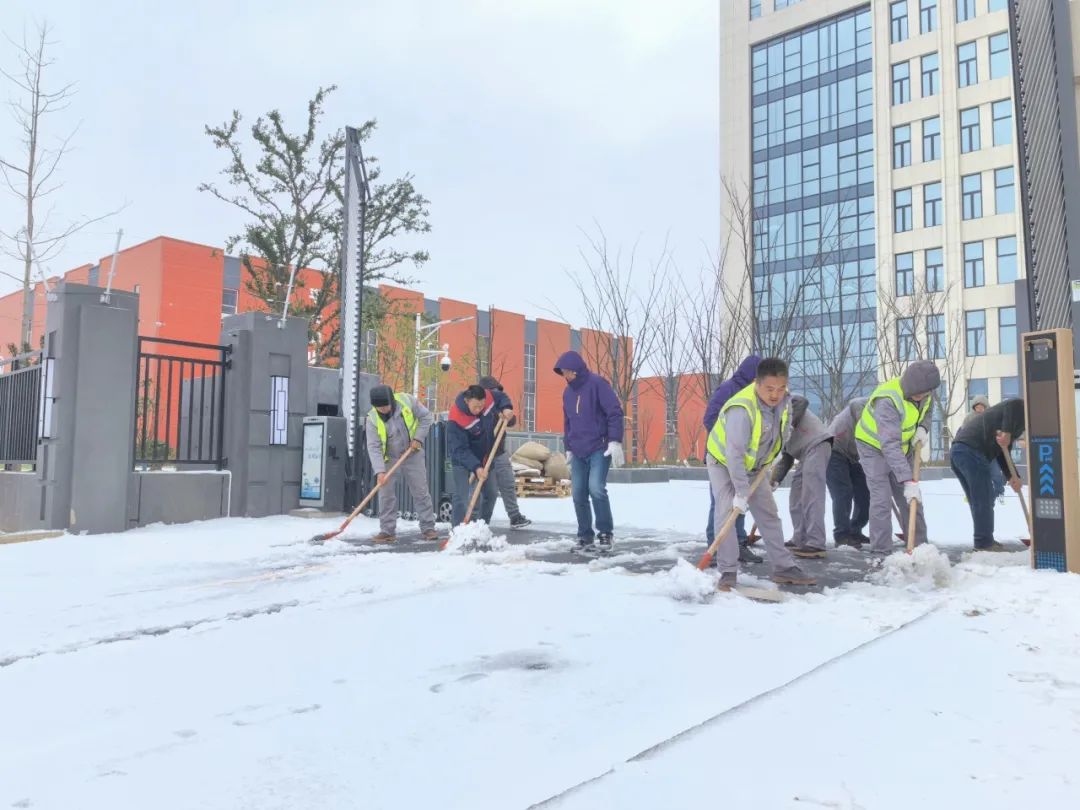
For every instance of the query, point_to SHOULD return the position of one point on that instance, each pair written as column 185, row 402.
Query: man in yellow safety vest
column 748, row 437
column 894, row 422
column 395, row 423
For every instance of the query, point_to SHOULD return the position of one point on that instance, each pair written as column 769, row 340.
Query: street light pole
column 423, row 332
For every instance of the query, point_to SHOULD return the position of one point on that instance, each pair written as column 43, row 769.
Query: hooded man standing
column 892, row 424
column 470, row 437
column 593, row 433
column 503, row 470
column 395, row 423
column 743, row 376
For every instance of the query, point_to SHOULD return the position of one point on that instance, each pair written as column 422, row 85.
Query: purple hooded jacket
column 743, row 376
column 592, row 414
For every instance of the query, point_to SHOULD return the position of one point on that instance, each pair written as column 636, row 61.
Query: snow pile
column 685, row 583
column 475, row 536
column 925, row 569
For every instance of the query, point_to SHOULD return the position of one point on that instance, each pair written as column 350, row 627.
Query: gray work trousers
column 414, row 471
column 762, row 509
column 884, row 488
column 807, row 497
column 503, row 471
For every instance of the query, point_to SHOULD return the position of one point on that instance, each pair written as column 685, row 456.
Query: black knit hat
column 381, row 396
column 491, row 384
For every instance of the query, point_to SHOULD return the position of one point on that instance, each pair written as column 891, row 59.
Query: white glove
column 922, row 436
column 614, row 449
column 912, row 491
column 569, row 456
column 741, row 503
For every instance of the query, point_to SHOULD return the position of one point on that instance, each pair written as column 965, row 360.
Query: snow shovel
column 322, row 538
column 913, row 510
column 499, row 431
column 1023, row 503
column 729, row 524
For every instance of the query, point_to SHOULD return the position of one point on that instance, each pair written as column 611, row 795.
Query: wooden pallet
column 530, row 486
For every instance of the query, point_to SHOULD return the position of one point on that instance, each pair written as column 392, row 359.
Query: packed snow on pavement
column 230, row 664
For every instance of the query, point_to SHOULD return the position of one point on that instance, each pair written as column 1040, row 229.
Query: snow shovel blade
column 1026, row 541
column 760, row 594
column 319, row 539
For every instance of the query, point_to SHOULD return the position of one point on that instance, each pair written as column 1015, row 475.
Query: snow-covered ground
column 230, row 665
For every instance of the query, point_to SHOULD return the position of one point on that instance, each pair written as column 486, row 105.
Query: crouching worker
column 978, row 449
column 470, row 437
column 892, row 424
column 395, row 423
column 745, row 440
column 810, row 444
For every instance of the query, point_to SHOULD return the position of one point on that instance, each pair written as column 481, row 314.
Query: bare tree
column 672, row 358
column 32, row 177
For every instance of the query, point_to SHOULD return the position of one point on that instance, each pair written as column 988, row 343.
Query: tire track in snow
column 731, row 711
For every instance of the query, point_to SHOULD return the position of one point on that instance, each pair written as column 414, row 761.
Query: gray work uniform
column 810, row 445
column 414, row 470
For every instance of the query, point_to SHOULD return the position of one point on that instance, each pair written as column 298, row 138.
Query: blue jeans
column 998, row 479
column 973, row 470
column 485, row 505
column 710, row 527
column 847, row 486
column 588, row 480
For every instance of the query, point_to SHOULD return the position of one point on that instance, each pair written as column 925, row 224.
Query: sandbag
column 533, row 451
column 529, row 468
column 556, row 467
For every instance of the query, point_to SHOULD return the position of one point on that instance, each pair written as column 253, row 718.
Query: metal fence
column 180, row 404
column 24, row 407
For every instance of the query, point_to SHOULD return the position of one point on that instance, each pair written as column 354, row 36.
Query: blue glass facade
column 814, row 266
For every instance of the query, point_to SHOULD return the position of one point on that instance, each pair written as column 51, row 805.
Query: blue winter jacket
column 468, row 437
column 743, row 376
column 592, row 413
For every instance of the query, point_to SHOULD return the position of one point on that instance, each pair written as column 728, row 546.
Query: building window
column 905, row 339
column 899, row 21
column 279, row 410
column 1007, row 330
column 755, row 9
column 969, row 130
column 530, row 387
column 974, row 269
column 902, row 210
column 978, row 387
column 931, row 75
column 935, row 337
column 905, row 274
column 967, row 64
column 935, row 270
column 931, row 138
column 1006, row 259
column 901, row 146
column 1000, row 64
column 931, row 205
column 228, row 302
column 927, row 16
column 1003, row 125
column 901, row 83
column 1004, row 191
column 1010, row 387
column 998, row 5
column 971, row 186
column 965, row 10
column 975, row 324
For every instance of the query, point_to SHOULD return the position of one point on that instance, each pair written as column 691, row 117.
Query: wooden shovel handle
column 725, row 530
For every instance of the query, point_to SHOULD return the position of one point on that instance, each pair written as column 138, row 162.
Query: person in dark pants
column 743, row 376
column 846, row 480
column 470, row 436
column 979, row 404
column 981, row 442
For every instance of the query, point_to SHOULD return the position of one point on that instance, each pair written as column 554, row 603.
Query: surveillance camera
column 444, row 363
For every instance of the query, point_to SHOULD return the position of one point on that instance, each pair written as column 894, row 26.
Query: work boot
column 862, row 538
column 808, row 552
column 519, row 521
column 384, row 537
column 789, row 544
column 748, row 556
column 993, row 545
column 847, row 540
column 792, row 576
column 726, row 582
column 430, row 535
column 585, row 545
column 606, row 539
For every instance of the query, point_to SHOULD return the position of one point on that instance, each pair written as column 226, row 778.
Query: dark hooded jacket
column 469, row 438
column 592, row 413
column 743, row 376
column 980, row 430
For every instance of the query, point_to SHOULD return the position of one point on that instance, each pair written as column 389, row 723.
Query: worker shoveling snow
column 685, row 583
column 475, row 536
column 925, row 569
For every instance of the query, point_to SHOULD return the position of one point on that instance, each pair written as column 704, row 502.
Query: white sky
column 522, row 121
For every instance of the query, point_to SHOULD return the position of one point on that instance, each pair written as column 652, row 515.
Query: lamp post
column 423, row 332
